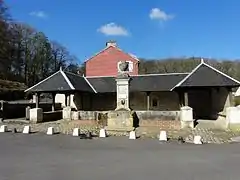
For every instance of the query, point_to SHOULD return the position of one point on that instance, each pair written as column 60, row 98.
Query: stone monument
column 121, row 119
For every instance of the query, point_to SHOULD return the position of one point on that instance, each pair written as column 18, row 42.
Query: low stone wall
column 52, row 116
column 165, row 119
column 18, row 110
column 158, row 115
column 161, row 124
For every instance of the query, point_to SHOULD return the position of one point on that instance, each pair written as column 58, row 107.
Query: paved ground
column 61, row 157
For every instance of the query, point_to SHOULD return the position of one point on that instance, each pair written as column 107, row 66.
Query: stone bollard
column 36, row 115
column 197, row 140
column 102, row 133
column 3, row 128
column 186, row 117
column 132, row 135
column 76, row 132
column 26, row 130
column 163, row 136
column 50, row 131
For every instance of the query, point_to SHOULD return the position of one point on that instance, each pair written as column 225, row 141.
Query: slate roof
column 62, row 81
column 156, row 82
column 203, row 75
column 79, row 83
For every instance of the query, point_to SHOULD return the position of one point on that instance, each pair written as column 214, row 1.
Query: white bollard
column 163, row 136
column 26, row 130
column 197, row 140
column 3, row 128
column 50, row 131
column 132, row 135
column 102, row 133
column 76, row 132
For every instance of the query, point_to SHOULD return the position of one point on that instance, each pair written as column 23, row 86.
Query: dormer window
column 129, row 66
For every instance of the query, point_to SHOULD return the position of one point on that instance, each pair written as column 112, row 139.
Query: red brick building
column 105, row 62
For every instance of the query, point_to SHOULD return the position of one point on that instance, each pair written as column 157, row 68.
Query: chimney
column 111, row 43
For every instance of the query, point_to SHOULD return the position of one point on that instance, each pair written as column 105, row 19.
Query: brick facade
column 105, row 63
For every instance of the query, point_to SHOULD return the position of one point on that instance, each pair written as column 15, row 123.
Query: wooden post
column 66, row 97
column 148, row 101
column 69, row 100
column 37, row 99
column 185, row 99
column 181, row 99
column 53, row 101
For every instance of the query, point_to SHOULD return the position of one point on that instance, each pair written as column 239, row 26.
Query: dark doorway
column 201, row 102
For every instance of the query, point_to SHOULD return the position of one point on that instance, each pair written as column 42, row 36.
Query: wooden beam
column 181, row 99
column 69, row 100
column 185, row 98
column 66, row 97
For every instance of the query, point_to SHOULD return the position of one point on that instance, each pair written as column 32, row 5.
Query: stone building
column 153, row 96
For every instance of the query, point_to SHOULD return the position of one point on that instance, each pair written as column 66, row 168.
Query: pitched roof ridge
column 220, row 72
column 99, row 52
column 40, row 82
column 197, row 67
column 90, row 84
column 185, row 78
column 67, row 79
column 73, row 74
column 107, row 47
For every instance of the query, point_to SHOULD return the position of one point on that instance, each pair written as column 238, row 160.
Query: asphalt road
column 42, row 157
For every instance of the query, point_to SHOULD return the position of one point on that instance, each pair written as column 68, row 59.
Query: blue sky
column 145, row 28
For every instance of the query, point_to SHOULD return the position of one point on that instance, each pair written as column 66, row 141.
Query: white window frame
column 130, row 66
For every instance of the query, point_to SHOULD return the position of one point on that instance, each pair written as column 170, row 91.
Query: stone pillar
column 229, row 100
column 36, row 115
column 37, row 99
column 186, row 117
column 148, row 101
column 67, row 113
column 232, row 116
column 53, row 101
column 122, row 93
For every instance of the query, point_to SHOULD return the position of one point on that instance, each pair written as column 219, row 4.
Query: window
column 129, row 68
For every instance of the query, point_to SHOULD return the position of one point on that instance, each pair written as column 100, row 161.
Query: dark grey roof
column 61, row 81
column 205, row 75
column 55, row 82
column 156, row 82
column 103, row 84
column 153, row 82
column 202, row 75
column 79, row 82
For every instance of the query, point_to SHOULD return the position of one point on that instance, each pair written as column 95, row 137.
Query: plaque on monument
column 122, row 91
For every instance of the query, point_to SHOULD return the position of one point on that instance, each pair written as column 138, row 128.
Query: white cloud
column 158, row 14
column 39, row 14
column 112, row 29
